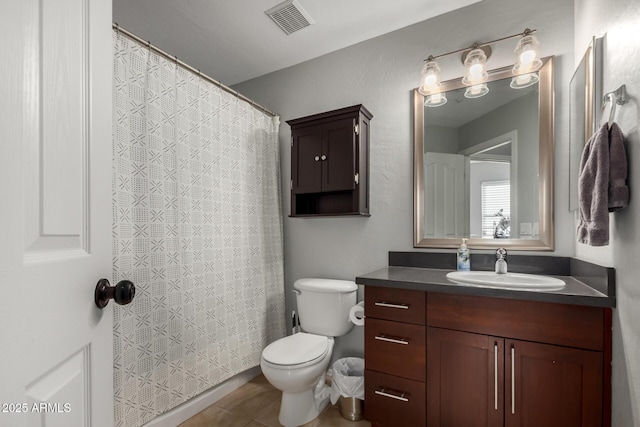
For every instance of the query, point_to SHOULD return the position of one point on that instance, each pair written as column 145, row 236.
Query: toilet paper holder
column 356, row 314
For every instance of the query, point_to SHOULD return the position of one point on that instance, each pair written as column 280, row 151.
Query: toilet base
column 297, row 409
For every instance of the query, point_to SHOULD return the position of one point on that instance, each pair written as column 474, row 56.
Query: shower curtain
column 197, row 228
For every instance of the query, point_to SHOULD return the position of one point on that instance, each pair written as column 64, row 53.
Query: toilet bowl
column 297, row 364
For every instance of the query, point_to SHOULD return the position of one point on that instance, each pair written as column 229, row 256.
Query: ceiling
column 234, row 40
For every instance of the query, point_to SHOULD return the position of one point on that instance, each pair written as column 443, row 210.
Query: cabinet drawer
column 391, row 401
column 395, row 348
column 395, row 304
column 561, row 324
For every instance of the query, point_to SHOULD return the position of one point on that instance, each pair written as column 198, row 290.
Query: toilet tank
column 324, row 304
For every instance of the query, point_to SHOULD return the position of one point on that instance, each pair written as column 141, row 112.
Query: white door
column 56, row 357
column 444, row 196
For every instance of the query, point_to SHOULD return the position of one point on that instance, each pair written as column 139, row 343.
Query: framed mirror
column 483, row 167
column 585, row 91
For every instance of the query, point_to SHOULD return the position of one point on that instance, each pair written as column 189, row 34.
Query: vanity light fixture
column 527, row 54
column 475, row 59
column 430, row 85
column 435, row 100
column 476, row 91
column 524, row 80
column 475, row 64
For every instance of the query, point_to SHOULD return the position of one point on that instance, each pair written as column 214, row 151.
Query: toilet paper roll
column 356, row 314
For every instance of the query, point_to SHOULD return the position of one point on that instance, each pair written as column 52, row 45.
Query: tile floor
column 256, row 404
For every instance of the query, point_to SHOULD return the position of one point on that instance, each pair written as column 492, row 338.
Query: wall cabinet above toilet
column 330, row 163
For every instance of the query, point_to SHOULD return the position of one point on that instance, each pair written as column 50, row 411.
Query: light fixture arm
column 526, row 32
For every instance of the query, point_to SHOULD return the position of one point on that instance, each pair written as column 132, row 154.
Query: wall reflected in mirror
column 480, row 173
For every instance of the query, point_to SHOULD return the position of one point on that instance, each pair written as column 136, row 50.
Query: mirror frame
column 583, row 118
column 546, row 102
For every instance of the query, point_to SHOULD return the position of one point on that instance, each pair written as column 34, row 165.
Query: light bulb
column 430, row 80
column 527, row 57
column 476, row 71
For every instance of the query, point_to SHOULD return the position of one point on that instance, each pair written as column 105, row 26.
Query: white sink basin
column 490, row 279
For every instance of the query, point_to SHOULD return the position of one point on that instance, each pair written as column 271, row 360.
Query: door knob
column 122, row 293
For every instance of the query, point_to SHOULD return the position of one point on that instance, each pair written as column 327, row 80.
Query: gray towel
column 618, row 191
column 601, row 184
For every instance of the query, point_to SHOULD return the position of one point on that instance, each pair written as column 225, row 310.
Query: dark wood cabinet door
column 306, row 163
column 339, row 147
column 465, row 377
column 552, row 386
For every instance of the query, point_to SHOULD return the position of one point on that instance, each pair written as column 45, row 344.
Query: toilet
column 297, row 364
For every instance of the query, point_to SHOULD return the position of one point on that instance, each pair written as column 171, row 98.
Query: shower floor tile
column 257, row 404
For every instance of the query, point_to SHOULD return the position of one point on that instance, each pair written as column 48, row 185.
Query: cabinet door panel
column 305, row 169
column 465, row 374
column 553, row 386
column 395, row 348
column 392, row 401
column 339, row 147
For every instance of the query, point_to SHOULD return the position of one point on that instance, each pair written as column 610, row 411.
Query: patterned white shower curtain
column 197, row 228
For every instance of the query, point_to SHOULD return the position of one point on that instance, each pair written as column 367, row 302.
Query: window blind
column 496, row 196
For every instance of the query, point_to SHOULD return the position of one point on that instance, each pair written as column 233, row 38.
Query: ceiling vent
column 290, row 16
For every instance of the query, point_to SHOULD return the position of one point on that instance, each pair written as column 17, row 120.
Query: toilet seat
column 296, row 350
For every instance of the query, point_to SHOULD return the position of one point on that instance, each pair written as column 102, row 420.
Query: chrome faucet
column 501, row 261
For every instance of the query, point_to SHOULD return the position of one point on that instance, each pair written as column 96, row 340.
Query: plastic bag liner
column 348, row 379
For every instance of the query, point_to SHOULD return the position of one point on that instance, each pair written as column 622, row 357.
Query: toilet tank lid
column 325, row 285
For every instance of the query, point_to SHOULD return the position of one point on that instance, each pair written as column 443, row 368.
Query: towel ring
column 617, row 97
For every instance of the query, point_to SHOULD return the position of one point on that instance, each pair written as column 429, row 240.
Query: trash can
column 347, row 387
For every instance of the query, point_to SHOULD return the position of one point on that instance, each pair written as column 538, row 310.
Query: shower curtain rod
column 175, row 59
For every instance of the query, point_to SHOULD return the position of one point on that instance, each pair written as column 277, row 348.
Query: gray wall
column 620, row 19
column 441, row 139
column 381, row 73
column 516, row 115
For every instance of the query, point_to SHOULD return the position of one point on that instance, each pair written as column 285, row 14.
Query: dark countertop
column 576, row 292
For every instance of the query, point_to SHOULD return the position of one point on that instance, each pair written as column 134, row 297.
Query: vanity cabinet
column 487, row 361
column 514, row 363
column 330, row 163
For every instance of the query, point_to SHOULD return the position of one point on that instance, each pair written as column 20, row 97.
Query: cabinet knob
column 316, row 158
column 324, row 157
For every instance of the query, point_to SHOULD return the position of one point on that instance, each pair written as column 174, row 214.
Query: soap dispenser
column 464, row 261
